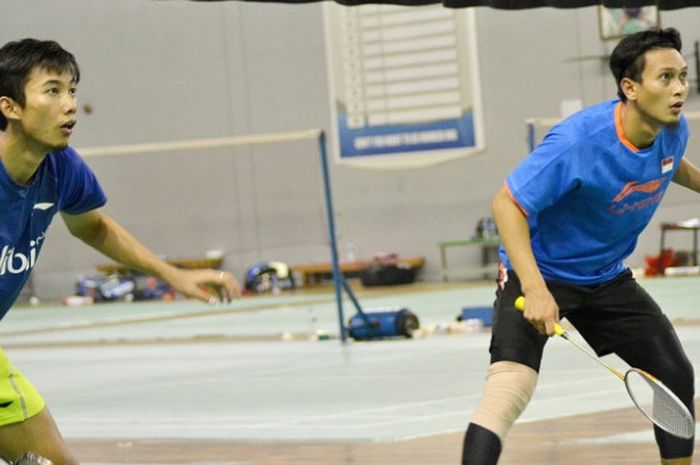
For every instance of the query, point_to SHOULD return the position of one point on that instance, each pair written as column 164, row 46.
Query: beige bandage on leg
column 508, row 389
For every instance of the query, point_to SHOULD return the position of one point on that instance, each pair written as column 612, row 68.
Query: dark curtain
column 510, row 4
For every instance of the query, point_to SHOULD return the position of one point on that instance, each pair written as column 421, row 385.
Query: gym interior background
column 161, row 71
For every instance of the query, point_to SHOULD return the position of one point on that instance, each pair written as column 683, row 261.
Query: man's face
column 49, row 113
column 664, row 87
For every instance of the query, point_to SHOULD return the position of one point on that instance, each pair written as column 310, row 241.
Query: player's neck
column 19, row 157
column 637, row 126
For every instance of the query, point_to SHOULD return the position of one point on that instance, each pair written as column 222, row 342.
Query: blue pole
column 337, row 279
column 531, row 136
column 697, row 64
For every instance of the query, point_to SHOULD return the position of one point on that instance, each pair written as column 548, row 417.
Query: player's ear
column 629, row 88
column 9, row 108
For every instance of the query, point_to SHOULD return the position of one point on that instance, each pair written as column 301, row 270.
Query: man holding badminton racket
column 40, row 175
column 568, row 216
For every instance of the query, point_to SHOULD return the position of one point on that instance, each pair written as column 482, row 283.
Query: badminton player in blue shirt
column 40, row 175
column 568, row 216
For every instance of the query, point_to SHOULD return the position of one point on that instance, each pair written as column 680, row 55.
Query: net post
column 530, row 135
column 697, row 64
column 337, row 278
column 232, row 141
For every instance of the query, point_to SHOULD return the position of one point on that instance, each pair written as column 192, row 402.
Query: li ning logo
column 15, row 262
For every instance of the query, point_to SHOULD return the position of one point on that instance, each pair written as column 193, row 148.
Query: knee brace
column 508, row 389
column 481, row 446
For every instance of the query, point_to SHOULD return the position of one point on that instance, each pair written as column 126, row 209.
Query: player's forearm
column 515, row 235
column 687, row 175
column 109, row 238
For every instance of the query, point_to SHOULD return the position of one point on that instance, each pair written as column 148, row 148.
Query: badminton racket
column 656, row 401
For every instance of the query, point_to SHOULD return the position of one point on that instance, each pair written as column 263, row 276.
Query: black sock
column 481, row 446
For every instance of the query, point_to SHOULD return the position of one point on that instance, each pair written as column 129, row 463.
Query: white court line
column 532, row 406
column 231, row 423
column 279, row 373
column 300, row 369
column 86, row 322
column 466, row 412
column 644, row 436
column 176, row 422
column 266, row 376
column 369, row 413
column 422, row 418
column 403, row 406
column 181, row 463
column 163, row 428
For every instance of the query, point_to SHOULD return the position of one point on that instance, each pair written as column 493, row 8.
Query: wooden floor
column 549, row 442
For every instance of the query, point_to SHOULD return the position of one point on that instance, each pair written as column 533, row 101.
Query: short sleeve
column 547, row 174
column 79, row 191
column 684, row 133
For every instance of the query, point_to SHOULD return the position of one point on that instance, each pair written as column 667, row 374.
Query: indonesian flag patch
column 666, row 164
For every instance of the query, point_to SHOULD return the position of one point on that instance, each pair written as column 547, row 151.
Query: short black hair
column 19, row 58
column 627, row 59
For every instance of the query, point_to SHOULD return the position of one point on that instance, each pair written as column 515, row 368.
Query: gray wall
column 158, row 71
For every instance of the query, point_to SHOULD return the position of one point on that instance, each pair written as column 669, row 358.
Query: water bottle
column 350, row 252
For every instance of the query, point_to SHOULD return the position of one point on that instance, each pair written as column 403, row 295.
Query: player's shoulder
column 65, row 162
column 592, row 119
column 66, row 157
column 586, row 128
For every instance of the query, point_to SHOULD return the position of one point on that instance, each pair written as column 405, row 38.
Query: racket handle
column 558, row 330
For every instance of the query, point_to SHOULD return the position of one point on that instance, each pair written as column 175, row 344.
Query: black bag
column 382, row 274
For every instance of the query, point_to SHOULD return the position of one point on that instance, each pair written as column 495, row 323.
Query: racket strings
column 659, row 404
column 670, row 412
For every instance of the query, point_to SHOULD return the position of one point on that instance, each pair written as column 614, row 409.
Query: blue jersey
column 63, row 182
column 588, row 193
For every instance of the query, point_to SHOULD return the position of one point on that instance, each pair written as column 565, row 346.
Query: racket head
column 659, row 404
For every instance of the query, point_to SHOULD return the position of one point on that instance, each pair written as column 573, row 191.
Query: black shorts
column 607, row 316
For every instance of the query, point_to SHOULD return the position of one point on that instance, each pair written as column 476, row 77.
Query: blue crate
column 484, row 314
column 384, row 322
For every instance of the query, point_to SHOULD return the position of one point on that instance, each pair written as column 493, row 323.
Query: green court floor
column 188, row 370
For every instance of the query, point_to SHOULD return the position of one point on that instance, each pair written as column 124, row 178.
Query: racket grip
column 520, row 305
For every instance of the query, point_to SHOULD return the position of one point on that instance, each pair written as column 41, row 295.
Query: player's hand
column 211, row 286
column 541, row 311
